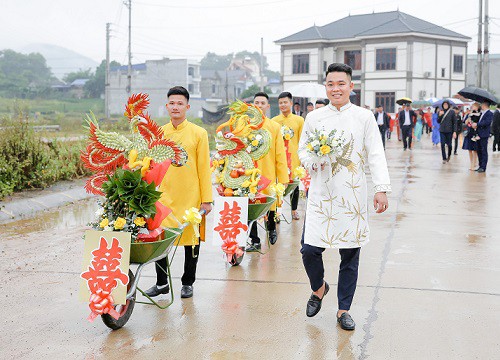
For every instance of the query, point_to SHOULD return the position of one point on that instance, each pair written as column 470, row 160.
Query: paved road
column 429, row 284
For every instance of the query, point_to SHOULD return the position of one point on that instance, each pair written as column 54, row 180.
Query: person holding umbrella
column 483, row 126
column 407, row 119
column 483, row 131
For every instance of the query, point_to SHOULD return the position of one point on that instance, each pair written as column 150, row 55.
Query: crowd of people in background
column 447, row 126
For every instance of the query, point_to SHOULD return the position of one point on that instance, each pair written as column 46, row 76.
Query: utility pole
column 486, row 61
column 479, row 45
column 129, row 69
column 261, row 64
column 106, row 84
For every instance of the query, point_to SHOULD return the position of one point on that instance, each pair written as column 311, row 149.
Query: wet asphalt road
column 429, row 284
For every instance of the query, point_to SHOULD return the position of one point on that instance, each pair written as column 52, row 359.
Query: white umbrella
column 307, row 90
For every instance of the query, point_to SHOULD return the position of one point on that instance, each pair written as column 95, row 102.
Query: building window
column 443, row 72
column 385, row 99
column 191, row 88
column 458, row 61
column 301, row 64
column 213, row 88
column 191, row 71
column 356, row 97
column 386, row 59
column 353, row 59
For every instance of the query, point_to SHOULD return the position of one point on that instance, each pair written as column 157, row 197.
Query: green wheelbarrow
column 255, row 212
column 142, row 254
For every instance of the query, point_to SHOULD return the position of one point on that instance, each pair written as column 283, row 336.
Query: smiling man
column 184, row 187
column 337, row 207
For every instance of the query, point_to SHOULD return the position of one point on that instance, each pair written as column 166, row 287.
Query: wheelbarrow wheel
column 236, row 260
column 124, row 310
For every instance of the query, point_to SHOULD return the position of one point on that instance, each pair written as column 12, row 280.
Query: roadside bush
column 27, row 162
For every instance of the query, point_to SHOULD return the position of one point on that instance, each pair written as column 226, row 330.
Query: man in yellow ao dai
column 183, row 188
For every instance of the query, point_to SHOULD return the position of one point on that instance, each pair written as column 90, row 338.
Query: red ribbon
column 161, row 213
column 289, row 160
column 231, row 247
column 102, row 303
column 157, row 172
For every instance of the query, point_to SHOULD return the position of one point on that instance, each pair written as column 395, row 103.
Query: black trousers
column 382, row 130
column 496, row 142
column 190, row 263
column 446, row 139
column 271, row 225
column 407, row 135
column 455, row 144
column 312, row 257
column 482, row 152
column 294, row 198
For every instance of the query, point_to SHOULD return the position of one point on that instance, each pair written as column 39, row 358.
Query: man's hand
column 474, row 125
column 454, row 135
column 315, row 167
column 380, row 202
column 207, row 207
column 441, row 112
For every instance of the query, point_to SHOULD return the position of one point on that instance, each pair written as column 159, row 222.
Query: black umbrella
column 478, row 94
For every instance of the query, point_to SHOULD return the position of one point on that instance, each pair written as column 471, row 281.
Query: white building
column 392, row 54
column 156, row 77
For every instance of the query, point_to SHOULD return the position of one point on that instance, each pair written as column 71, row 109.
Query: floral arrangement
column 128, row 171
column 287, row 132
column 322, row 144
column 237, row 150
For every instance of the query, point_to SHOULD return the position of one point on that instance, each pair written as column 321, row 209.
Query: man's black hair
column 261, row 93
column 339, row 67
column 310, row 103
column 320, row 101
column 379, row 105
column 178, row 90
column 296, row 103
column 286, row 94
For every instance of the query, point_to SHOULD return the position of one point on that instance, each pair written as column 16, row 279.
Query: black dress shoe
column 187, row 291
column 481, row 170
column 314, row 303
column 346, row 322
column 155, row 290
column 253, row 247
column 273, row 237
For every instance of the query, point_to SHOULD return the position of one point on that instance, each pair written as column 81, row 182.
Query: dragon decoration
column 234, row 163
column 145, row 147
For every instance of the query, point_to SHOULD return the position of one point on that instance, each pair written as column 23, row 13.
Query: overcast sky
column 190, row 28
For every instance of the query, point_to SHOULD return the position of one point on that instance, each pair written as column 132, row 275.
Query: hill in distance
column 60, row 60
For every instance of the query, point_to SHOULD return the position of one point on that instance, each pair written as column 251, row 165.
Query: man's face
column 285, row 105
column 485, row 106
column 380, row 109
column 177, row 107
column 296, row 107
column 408, row 107
column 338, row 88
column 319, row 105
column 262, row 103
column 310, row 108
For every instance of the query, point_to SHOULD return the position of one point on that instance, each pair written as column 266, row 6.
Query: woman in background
column 436, row 138
column 470, row 135
column 419, row 126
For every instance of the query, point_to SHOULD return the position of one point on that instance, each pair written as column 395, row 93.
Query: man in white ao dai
column 337, row 142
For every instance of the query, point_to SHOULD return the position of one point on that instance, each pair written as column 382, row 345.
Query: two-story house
column 392, row 54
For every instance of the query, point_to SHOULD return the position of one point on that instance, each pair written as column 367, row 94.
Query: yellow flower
column 287, row 137
column 253, row 189
column 245, row 184
column 139, row 221
column 251, row 136
column 255, row 142
column 104, row 223
column 221, row 161
column 310, row 147
column 120, row 223
column 325, row 149
column 300, row 172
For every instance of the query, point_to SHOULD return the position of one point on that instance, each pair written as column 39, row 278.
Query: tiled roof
column 386, row 23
